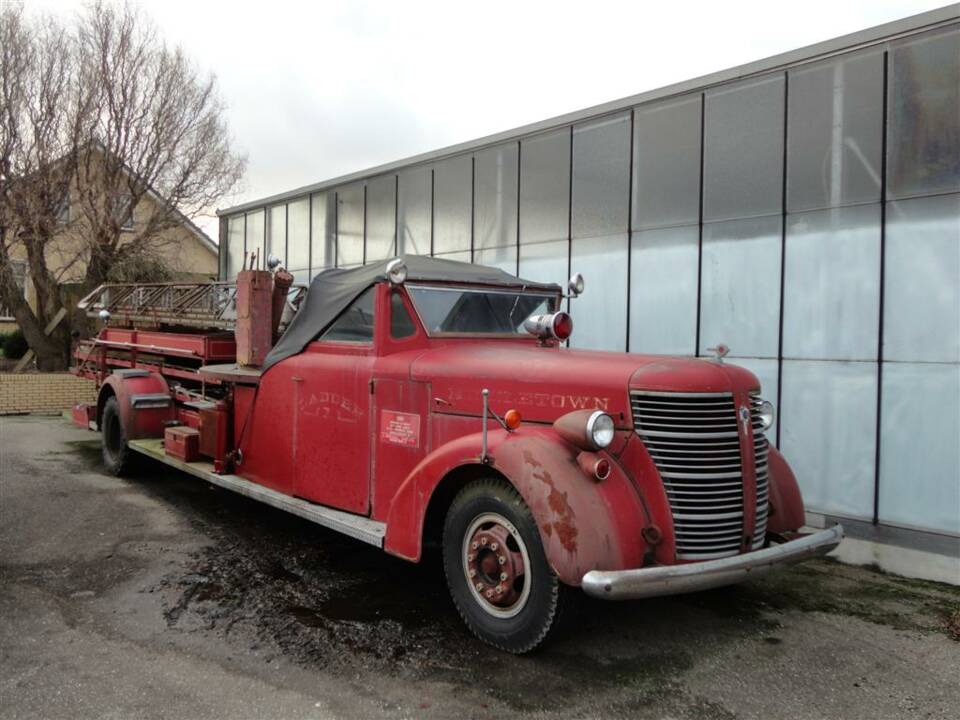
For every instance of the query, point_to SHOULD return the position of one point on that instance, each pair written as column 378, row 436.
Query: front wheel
column 497, row 571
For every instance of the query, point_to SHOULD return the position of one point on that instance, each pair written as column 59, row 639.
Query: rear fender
column 145, row 402
column 584, row 524
column 786, row 512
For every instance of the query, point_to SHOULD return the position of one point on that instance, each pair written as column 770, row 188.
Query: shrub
column 13, row 344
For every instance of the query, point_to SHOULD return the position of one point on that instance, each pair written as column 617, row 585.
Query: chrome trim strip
column 151, row 400
column 693, row 577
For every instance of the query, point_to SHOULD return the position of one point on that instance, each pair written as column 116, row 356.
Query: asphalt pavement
column 159, row 596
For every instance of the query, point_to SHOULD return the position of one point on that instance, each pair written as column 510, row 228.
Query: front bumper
column 691, row 577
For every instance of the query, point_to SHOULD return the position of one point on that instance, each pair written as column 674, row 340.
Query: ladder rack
column 199, row 305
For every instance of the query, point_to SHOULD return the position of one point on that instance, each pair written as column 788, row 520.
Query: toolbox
column 182, row 442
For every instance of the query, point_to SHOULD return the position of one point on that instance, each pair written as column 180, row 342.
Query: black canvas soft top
column 332, row 291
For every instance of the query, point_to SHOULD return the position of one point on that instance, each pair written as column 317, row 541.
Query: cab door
column 333, row 422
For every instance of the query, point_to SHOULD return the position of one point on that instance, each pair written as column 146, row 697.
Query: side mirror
column 575, row 286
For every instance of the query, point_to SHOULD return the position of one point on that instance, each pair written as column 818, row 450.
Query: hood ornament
column 719, row 352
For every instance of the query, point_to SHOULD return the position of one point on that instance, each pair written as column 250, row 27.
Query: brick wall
column 43, row 393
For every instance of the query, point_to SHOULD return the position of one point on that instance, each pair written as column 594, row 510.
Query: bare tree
column 104, row 112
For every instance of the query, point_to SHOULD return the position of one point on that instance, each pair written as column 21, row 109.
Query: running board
column 360, row 528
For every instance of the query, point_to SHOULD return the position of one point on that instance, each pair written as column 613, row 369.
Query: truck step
column 355, row 526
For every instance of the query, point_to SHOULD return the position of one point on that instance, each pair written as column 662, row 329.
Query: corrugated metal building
column 804, row 210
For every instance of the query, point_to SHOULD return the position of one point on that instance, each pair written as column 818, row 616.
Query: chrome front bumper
column 691, row 577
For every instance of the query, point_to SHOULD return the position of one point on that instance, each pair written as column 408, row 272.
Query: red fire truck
column 423, row 401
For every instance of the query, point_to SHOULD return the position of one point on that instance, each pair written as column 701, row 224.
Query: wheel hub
column 494, row 563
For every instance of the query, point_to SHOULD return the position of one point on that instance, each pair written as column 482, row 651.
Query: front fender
column 786, row 502
column 140, row 397
column 584, row 524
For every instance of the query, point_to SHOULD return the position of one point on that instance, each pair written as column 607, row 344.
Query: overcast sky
column 319, row 89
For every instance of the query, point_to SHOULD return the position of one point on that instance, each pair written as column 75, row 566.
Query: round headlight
column 766, row 414
column 600, row 429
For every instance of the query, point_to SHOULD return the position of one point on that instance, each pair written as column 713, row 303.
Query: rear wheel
column 497, row 570
column 117, row 457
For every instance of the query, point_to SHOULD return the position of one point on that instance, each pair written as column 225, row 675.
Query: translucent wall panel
column 452, row 204
column 504, row 258
column 740, row 286
column 298, row 235
column 601, row 177
column 277, row 232
column 832, row 284
column 459, row 256
column 545, row 187
column 922, row 290
column 413, row 211
column 919, row 447
column 301, row 277
column 496, row 173
column 255, row 236
column 546, row 262
column 834, row 128
column 350, row 219
column 663, row 290
column 600, row 314
column 923, row 154
column 381, row 217
column 827, row 417
column 743, row 149
column 323, row 215
column 666, row 167
column 234, row 246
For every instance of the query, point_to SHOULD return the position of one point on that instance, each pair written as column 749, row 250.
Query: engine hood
column 545, row 383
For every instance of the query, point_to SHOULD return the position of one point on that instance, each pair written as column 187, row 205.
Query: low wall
column 43, row 393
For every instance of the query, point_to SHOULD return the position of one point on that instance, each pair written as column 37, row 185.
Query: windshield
column 467, row 310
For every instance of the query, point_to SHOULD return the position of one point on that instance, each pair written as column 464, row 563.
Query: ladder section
column 204, row 305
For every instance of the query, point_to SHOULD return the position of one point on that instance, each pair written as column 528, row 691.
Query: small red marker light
column 601, row 470
column 562, row 325
column 512, row 419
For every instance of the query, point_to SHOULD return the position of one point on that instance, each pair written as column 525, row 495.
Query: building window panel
column 919, row 452
column 414, row 211
column 663, row 290
column 298, row 234
column 323, row 216
column 834, row 128
column 832, row 284
column 495, row 191
column 923, row 155
column 743, row 149
column 545, row 187
column 600, row 314
column 546, row 262
column 504, row 258
column 740, row 295
column 827, row 416
column 350, row 219
column 921, row 290
column 255, row 237
column 381, row 218
column 601, row 177
column 234, row 246
column 666, row 167
column 452, row 204
column 277, row 233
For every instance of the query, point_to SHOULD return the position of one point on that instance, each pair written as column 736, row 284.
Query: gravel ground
column 161, row 596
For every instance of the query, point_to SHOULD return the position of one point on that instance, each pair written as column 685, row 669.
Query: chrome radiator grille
column 761, row 450
column 694, row 442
